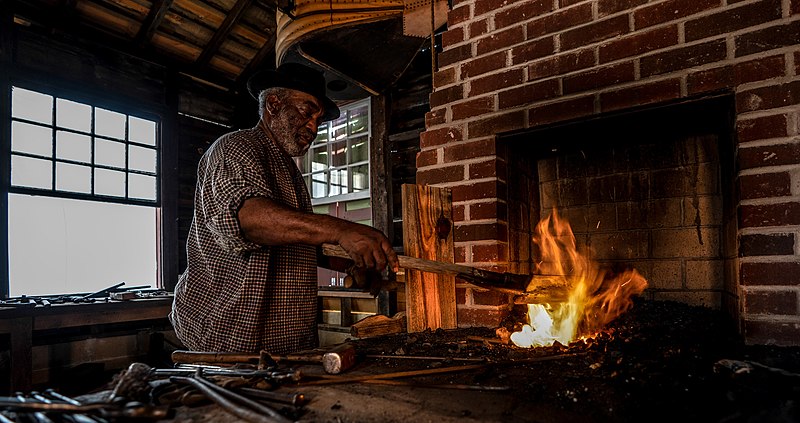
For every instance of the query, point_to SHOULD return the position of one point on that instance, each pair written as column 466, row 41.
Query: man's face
column 294, row 122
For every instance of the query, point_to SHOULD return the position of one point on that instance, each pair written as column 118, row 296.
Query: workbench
column 21, row 323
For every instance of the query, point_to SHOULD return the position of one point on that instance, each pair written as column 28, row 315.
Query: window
column 336, row 167
column 84, row 196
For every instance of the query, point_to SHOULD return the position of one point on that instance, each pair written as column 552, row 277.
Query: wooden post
column 428, row 234
column 381, row 184
column 21, row 353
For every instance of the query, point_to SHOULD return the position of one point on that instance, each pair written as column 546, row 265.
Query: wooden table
column 21, row 322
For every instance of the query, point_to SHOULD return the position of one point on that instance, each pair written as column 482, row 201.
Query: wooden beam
column 88, row 36
column 380, row 170
column 21, row 353
column 223, row 31
column 6, row 58
column 258, row 62
column 381, row 184
column 430, row 297
column 153, row 21
column 170, row 247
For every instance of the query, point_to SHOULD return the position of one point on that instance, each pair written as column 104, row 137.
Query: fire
column 596, row 296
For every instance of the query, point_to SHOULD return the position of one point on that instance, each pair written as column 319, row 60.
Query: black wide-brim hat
column 297, row 77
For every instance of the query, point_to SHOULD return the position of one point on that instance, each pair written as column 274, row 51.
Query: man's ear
column 273, row 104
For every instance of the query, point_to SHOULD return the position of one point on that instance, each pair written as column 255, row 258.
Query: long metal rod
column 424, row 357
column 411, row 373
column 245, row 401
column 460, row 387
column 75, row 418
column 223, row 400
column 331, row 380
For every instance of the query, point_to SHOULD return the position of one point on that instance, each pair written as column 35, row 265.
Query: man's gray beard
column 285, row 141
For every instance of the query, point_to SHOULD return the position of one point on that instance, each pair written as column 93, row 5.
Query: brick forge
column 697, row 108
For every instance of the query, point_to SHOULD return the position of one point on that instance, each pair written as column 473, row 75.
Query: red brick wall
column 508, row 65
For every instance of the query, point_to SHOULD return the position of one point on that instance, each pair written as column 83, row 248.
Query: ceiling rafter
column 153, row 21
column 222, row 32
column 267, row 51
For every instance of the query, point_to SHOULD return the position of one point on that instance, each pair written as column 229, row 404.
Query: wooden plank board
column 378, row 325
column 430, row 297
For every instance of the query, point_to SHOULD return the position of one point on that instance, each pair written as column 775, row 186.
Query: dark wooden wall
column 407, row 107
column 193, row 114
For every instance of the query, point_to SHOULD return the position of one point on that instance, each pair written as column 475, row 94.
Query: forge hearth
column 508, row 67
column 647, row 189
column 655, row 363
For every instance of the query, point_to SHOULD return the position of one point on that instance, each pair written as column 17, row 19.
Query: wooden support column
column 21, row 353
column 381, row 185
column 428, row 234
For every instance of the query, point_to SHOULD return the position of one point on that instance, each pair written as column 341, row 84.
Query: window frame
column 76, row 92
column 94, row 103
column 367, row 135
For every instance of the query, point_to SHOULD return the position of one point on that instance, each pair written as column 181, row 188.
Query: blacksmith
column 253, row 247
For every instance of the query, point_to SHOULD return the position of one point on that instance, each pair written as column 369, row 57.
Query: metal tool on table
column 334, row 360
column 22, row 405
column 275, row 376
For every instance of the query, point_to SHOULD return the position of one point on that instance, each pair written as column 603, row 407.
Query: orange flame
column 596, row 296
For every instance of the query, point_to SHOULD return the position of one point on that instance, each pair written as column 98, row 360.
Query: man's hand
column 368, row 247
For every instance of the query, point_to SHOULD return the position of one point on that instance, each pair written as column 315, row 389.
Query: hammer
column 334, row 360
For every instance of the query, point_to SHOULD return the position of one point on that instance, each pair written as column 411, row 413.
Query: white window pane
column 338, row 182
column 109, row 182
column 359, row 150
column 72, row 146
column 142, row 131
column 141, row 186
column 82, row 242
column 109, row 124
column 319, row 158
column 359, row 120
column 141, row 158
column 360, row 178
column 319, row 185
column 73, row 178
column 109, row 153
column 32, row 173
column 31, row 139
column 339, row 153
column 339, row 128
column 322, row 134
column 72, row 115
column 31, row 105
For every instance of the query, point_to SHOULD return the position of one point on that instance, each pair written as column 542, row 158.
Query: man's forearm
column 266, row 222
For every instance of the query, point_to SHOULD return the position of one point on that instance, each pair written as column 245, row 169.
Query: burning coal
column 596, row 296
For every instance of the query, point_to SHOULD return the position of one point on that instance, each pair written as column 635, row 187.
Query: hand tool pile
column 143, row 393
column 116, row 292
column 50, row 406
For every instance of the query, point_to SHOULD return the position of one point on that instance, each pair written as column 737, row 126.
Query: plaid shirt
column 236, row 295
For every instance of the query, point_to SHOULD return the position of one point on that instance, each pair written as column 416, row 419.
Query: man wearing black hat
column 250, row 283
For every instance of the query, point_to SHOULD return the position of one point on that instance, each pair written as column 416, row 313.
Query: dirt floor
column 659, row 362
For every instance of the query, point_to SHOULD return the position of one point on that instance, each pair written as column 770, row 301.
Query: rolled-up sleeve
column 226, row 184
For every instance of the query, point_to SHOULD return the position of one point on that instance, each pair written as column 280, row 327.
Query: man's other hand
column 368, row 247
